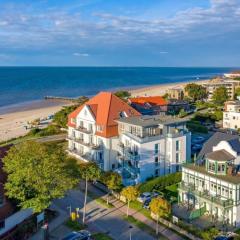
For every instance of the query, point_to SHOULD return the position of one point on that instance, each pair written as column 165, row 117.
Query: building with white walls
column 93, row 131
column 211, row 185
column 231, row 115
column 151, row 146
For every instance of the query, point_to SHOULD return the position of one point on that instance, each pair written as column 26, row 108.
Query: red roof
column 157, row 100
column 106, row 108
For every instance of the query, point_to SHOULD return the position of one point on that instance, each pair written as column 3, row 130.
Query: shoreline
column 13, row 119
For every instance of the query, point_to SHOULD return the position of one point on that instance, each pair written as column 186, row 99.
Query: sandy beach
column 12, row 123
column 161, row 89
column 13, row 120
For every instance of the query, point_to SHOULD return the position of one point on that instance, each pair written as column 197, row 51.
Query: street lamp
column 130, row 232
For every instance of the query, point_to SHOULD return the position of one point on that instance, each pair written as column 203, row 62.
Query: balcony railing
column 126, row 153
column 84, row 130
column 206, row 195
column 82, row 142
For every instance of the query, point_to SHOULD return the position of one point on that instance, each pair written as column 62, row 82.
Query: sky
column 163, row 33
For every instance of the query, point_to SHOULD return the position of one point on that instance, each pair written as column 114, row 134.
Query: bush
column 195, row 126
column 160, row 183
column 50, row 130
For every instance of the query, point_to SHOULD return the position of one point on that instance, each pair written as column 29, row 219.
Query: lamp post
column 130, row 232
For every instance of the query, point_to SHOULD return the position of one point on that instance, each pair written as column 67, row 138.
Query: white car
column 144, row 196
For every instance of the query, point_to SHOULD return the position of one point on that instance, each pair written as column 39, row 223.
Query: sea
column 23, row 85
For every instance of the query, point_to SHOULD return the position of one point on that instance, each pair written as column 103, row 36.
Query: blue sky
column 120, row 32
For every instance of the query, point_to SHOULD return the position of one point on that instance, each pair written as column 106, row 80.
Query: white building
column 235, row 74
column 215, row 83
column 211, row 186
column 93, row 132
column 151, row 146
column 231, row 115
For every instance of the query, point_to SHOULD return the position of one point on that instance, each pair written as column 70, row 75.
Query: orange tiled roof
column 157, row 100
column 106, row 108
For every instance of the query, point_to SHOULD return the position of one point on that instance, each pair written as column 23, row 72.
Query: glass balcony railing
column 205, row 194
column 84, row 130
column 86, row 144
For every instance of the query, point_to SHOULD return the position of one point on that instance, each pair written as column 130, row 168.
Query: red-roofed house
column 149, row 105
column 93, row 130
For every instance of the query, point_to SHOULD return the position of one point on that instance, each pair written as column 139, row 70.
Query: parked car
column 155, row 194
column 197, row 147
column 146, row 203
column 198, row 139
column 144, row 196
column 81, row 235
column 224, row 238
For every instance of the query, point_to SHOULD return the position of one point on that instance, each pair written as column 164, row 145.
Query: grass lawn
column 138, row 206
column 143, row 226
column 104, row 203
column 18, row 140
column 171, row 193
column 101, row 236
column 74, row 225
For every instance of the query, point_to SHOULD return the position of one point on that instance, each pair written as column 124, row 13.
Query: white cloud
column 76, row 54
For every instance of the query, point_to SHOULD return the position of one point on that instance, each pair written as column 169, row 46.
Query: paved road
column 100, row 219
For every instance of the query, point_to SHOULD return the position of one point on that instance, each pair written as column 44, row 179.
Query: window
column 156, row 148
column 177, row 157
column 156, row 159
column 2, row 224
column 99, row 128
column 177, row 145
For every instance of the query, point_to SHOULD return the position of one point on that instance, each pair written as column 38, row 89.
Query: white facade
column 142, row 157
column 214, row 186
column 231, row 115
column 84, row 144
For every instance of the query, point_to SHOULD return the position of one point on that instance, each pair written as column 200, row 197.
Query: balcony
column 125, row 153
column 84, row 130
column 177, row 134
column 206, row 195
column 129, row 174
column 81, row 141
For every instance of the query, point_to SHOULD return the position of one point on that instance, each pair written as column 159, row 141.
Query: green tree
column 61, row 117
column 220, row 95
column 36, row 176
column 196, row 91
column 182, row 113
column 112, row 180
column 210, row 234
column 130, row 193
column 122, row 94
column 160, row 207
column 88, row 172
column 237, row 92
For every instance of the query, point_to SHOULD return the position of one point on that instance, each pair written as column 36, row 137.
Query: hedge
column 160, row 183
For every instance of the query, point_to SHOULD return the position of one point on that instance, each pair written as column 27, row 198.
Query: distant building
column 151, row 146
column 93, row 130
column 158, row 105
column 231, row 115
column 229, row 84
column 234, row 74
column 176, row 93
column 149, row 105
column 211, row 186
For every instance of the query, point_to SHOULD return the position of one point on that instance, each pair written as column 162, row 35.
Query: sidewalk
column 166, row 232
column 56, row 222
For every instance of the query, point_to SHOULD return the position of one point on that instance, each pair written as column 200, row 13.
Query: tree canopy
column 237, row 92
column 220, row 95
column 36, row 175
column 60, row 118
column 122, row 94
column 196, row 91
column 90, row 171
column 130, row 193
column 160, row 207
column 112, row 180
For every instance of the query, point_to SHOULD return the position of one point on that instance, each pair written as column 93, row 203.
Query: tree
column 160, row 207
column 237, row 92
column 130, row 193
column 60, row 118
column 210, row 234
column 89, row 172
column 196, row 91
column 182, row 113
column 112, row 180
column 220, row 95
column 36, row 176
column 122, row 94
